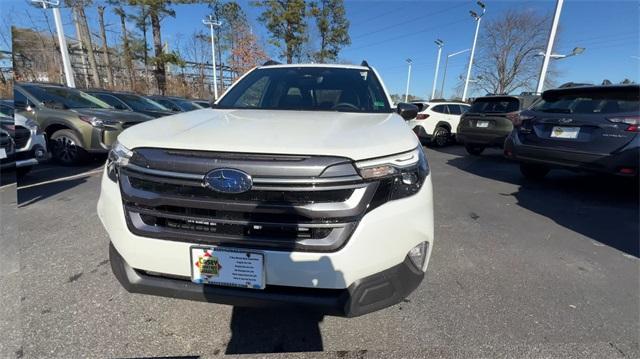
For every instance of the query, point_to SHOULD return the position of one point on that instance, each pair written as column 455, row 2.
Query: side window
column 454, row 109
column 464, row 108
column 440, row 109
column 112, row 101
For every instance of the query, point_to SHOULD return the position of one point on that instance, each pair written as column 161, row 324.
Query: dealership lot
column 519, row 268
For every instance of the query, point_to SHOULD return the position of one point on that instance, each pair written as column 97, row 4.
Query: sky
column 386, row 33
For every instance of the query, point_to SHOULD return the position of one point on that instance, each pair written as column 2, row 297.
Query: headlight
column 93, row 121
column 404, row 173
column 119, row 156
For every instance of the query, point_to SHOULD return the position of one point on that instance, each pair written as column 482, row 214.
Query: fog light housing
column 418, row 254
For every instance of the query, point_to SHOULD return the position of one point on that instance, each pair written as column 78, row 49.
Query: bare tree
column 105, row 46
column 505, row 60
column 84, row 36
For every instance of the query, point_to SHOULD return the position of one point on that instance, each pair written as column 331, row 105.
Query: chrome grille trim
column 315, row 208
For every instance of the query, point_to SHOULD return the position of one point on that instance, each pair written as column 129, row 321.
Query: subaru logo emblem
column 227, row 180
column 565, row 120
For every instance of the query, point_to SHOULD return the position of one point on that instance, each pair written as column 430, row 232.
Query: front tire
column 474, row 150
column 441, row 137
column 533, row 171
column 65, row 148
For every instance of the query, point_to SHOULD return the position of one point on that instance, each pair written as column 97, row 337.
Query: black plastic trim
column 366, row 295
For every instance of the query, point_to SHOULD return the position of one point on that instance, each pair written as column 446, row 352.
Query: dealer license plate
column 227, row 267
column 482, row 124
column 565, row 132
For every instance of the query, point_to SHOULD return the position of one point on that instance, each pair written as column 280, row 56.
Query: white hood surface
column 353, row 135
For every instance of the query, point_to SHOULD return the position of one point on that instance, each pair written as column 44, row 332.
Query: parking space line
column 8, row 185
column 99, row 170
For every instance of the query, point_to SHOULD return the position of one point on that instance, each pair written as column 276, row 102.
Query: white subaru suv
column 437, row 121
column 300, row 187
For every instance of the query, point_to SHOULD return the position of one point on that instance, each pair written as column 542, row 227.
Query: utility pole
column 209, row 20
column 477, row 19
column 552, row 37
column 440, row 44
column 444, row 75
column 64, row 52
column 406, row 93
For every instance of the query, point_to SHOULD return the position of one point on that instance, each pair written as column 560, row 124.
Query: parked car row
column 78, row 123
column 582, row 128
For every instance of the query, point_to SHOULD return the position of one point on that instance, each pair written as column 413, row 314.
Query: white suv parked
column 300, row 187
column 437, row 121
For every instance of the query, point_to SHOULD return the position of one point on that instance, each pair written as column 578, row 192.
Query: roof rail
column 365, row 64
column 271, row 63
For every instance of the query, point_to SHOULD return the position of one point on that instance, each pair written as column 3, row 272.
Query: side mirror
column 408, row 111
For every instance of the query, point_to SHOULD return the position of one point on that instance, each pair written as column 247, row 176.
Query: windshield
column 495, row 105
column 308, row 89
column 186, row 105
column 69, row 98
column 590, row 101
column 139, row 103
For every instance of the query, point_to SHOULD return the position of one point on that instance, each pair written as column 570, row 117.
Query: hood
column 113, row 115
column 353, row 135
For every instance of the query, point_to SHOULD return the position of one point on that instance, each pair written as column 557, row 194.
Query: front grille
column 22, row 135
column 313, row 211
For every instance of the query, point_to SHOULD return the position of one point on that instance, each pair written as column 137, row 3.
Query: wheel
column 533, row 171
column 474, row 149
column 441, row 136
column 22, row 171
column 65, row 148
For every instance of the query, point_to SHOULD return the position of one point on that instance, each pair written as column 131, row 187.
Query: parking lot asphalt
column 519, row 269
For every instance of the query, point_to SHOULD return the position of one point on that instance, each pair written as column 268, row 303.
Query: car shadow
column 274, row 330
column 49, row 179
column 601, row 207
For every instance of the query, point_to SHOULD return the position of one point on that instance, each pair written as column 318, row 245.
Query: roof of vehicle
column 589, row 87
column 111, row 92
column 43, row 84
column 338, row 66
column 440, row 102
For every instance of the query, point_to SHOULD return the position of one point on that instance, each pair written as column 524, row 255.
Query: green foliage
column 333, row 27
column 287, row 23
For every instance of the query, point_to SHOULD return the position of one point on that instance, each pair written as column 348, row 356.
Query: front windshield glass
column 69, row 98
column 139, row 103
column 308, row 89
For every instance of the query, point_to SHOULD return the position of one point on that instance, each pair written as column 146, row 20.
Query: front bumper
column 369, row 294
column 33, row 153
column 381, row 242
column 628, row 157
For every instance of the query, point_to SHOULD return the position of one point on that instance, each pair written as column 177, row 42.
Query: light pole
column 477, row 19
column 552, row 37
column 209, row 20
column 62, row 42
column 440, row 44
column 446, row 62
column 406, row 93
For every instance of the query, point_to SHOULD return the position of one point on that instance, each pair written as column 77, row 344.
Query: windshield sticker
column 378, row 104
